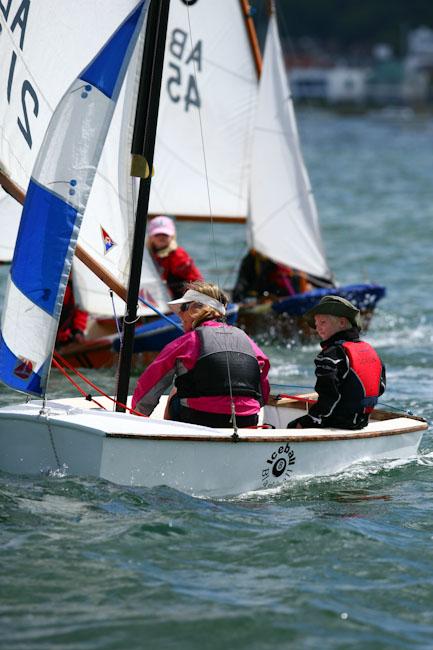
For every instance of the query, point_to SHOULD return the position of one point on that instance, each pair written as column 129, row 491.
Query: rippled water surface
column 336, row 563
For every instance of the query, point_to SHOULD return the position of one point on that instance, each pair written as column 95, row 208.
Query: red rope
column 87, row 381
column 74, row 383
column 307, row 400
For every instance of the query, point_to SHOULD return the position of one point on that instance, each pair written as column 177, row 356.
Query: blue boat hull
column 363, row 296
column 154, row 336
column 281, row 320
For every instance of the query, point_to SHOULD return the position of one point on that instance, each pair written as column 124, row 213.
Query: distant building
column 329, row 85
column 347, row 85
column 391, row 82
column 419, row 59
column 308, row 83
column 382, row 80
column 420, row 49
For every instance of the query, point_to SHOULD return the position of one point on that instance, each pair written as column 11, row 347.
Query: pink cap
column 161, row 226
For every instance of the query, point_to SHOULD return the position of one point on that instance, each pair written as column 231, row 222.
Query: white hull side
column 133, row 451
column 221, row 469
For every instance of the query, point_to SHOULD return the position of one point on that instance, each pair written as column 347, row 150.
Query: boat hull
column 283, row 318
column 63, row 437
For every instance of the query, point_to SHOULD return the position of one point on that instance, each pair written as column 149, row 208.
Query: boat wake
column 358, row 472
column 425, row 459
column 60, row 472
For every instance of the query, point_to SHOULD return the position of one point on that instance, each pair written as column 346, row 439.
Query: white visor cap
column 196, row 296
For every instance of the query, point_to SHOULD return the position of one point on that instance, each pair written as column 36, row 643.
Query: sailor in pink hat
column 176, row 267
column 161, row 226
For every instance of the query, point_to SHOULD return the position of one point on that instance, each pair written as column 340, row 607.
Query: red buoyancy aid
column 365, row 363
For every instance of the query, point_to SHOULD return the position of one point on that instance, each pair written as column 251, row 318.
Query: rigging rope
column 160, row 313
column 58, row 360
column 119, row 331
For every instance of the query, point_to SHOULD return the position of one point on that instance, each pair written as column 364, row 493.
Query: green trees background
column 350, row 24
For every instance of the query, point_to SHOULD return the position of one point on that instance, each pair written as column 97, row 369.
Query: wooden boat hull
column 71, row 437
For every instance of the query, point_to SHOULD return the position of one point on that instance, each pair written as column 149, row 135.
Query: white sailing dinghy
column 77, row 436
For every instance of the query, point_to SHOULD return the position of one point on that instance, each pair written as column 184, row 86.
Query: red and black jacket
column 350, row 376
column 177, row 269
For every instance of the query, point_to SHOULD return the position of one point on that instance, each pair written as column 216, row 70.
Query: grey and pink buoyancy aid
column 226, row 365
column 361, row 387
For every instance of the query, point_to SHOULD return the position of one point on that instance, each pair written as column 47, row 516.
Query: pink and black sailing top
column 197, row 363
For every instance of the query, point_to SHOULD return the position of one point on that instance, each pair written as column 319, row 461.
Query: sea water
column 333, row 562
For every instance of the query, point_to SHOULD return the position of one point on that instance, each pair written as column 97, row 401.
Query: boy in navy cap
column 350, row 375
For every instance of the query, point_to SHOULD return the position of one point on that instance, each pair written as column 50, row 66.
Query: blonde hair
column 205, row 311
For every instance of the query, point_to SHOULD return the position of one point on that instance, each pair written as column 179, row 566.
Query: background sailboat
column 272, row 192
column 283, row 223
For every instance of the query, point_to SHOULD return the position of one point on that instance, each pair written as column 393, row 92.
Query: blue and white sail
column 56, row 200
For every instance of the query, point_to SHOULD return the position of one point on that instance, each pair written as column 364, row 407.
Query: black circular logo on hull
column 189, row 2
column 277, row 466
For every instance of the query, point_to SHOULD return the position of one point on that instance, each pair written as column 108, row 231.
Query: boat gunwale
column 227, row 435
column 242, row 438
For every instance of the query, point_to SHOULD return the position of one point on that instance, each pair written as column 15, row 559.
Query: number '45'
column 174, row 87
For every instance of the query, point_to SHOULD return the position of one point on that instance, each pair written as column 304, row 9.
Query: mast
column 143, row 145
column 252, row 36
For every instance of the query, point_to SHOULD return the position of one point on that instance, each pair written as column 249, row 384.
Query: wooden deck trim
column 349, row 435
column 377, row 415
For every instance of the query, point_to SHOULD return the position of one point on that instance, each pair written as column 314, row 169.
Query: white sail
column 56, row 199
column 43, row 46
column 283, row 221
column 108, row 225
column 10, row 212
column 208, row 98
